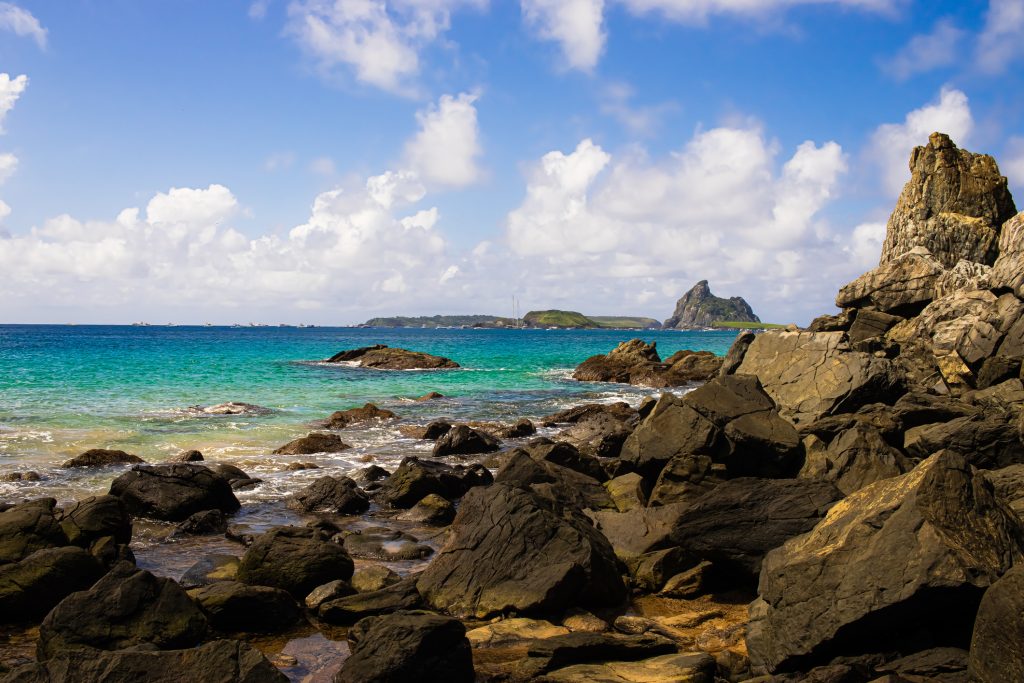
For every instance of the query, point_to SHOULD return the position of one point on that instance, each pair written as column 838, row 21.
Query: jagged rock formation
column 954, row 206
column 700, row 308
column 383, row 357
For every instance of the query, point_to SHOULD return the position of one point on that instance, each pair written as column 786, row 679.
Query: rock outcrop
column 699, row 308
column 295, row 559
column 511, row 550
column 899, row 562
column 383, row 357
column 174, row 491
column 953, row 205
column 102, row 457
column 316, row 442
column 340, row 419
column 996, row 654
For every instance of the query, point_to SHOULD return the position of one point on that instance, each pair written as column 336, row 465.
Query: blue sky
column 329, row 160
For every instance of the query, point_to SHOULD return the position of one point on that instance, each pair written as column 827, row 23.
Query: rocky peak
column 700, row 308
column 954, row 205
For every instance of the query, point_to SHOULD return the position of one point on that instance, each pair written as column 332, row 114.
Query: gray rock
column 236, row 607
column 414, row 479
column 432, row 510
column 295, row 559
column 332, row 590
column 28, row 527
column 33, row 586
column 317, row 442
column 1008, row 270
column 348, row 610
column 338, row 495
column 996, row 655
column 388, row 545
column 902, row 286
column 463, row 440
column 857, row 457
column 989, row 440
column 173, row 492
column 102, row 457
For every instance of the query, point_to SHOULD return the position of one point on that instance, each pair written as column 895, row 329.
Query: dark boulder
column 619, row 410
column 28, row 527
column 738, row 522
column 204, row 523
column 30, row 588
column 315, row 442
column 173, row 492
column 989, row 440
column 431, row 510
column 417, row 478
column 870, row 324
column 857, row 457
column 92, row 518
column 236, row 607
column 600, row 435
column 348, row 610
column 332, row 590
column 295, row 559
column 898, row 564
column 338, row 495
column 236, row 477
column 408, row 647
column 996, row 653
column 1009, row 486
column 636, row 362
column 368, row 413
column 552, row 481
column 684, row 479
column 128, row 607
column 737, row 351
column 102, row 457
column 189, row 456
column 463, row 440
column 639, row 530
column 209, row 569
column 436, row 429
column 511, row 550
column 566, row 455
column 223, row 661
column 383, row 357
column 581, row 647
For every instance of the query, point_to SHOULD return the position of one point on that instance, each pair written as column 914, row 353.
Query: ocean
column 66, row 389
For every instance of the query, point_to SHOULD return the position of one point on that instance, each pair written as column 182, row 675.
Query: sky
column 327, row 161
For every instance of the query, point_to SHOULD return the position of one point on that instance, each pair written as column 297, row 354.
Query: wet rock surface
column 173, row 492
column 385, row 358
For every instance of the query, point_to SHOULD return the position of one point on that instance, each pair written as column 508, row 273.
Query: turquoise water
column 65, row 389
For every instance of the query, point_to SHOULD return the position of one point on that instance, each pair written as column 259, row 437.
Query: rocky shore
column 837, row 504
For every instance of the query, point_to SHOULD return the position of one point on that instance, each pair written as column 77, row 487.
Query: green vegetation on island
column 555, row 318
column 440, row 321
column 627, row 322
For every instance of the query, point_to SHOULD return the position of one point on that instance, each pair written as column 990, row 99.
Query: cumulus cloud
column 891, row 143
column 699, row 11
column 720, row 208
column 378, row 40
column 638, row 120
column 10, row 91
column 576, row 25
column 865, row 245
column 927, row 51
column 1001, row 42
column 446, row 148
column 21, row 22
column 1011, row 162
column 8, row 164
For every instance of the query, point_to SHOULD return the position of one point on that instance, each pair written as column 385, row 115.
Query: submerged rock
column 313, row 443
column 390, row 545
column 636, row 362
column 511, row 550
column 339, row 495
column 904, row 560
column 385, row 358
column 234, row 408
column 408, row 647
column 102, row 457
column 432, row 509
column 235, row 607
column 174, row 491
column 464, row 440
column 392, row 598
column 368, row 413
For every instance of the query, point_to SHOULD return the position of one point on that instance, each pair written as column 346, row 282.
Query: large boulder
column 316, row 442
column 640, row 530
column 236, row 607
column 339, row 495
column 128, row 607
column 95, row 517
column 858, row 456
column 731, row 419
column 989, row 440
column 464, row 440
column 30, row 588
column 393, row 597
column 954, row 205
column 527, row 469
column 902, row 562
column 738, row 522
column 511, row 550
column 28, row 527
column 295, row 559
column 415, row 479
column 996, row 653
column 223, row 661
column 384, row 357
column 600, row 435
column 174, row 491
column 813, row 374
column 408, row 647
column 637, row 362
column 902, row 286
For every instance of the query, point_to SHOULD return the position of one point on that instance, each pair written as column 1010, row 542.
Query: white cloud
column 576, row 25
column 1002, row 40
column 323, row 166
column 597, row 227
column 865, row 247
column 445, row 149
column 699, row 11
column 278, row 161
column 8, row 164
column 258, row 9
column 891, row 143
column 10, row 91
column 639, row 120
column 927, row 51
column 21, row 22
column 379, row 41
column 1011, row 162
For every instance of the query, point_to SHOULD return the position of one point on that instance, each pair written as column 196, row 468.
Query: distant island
column 698, row 309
